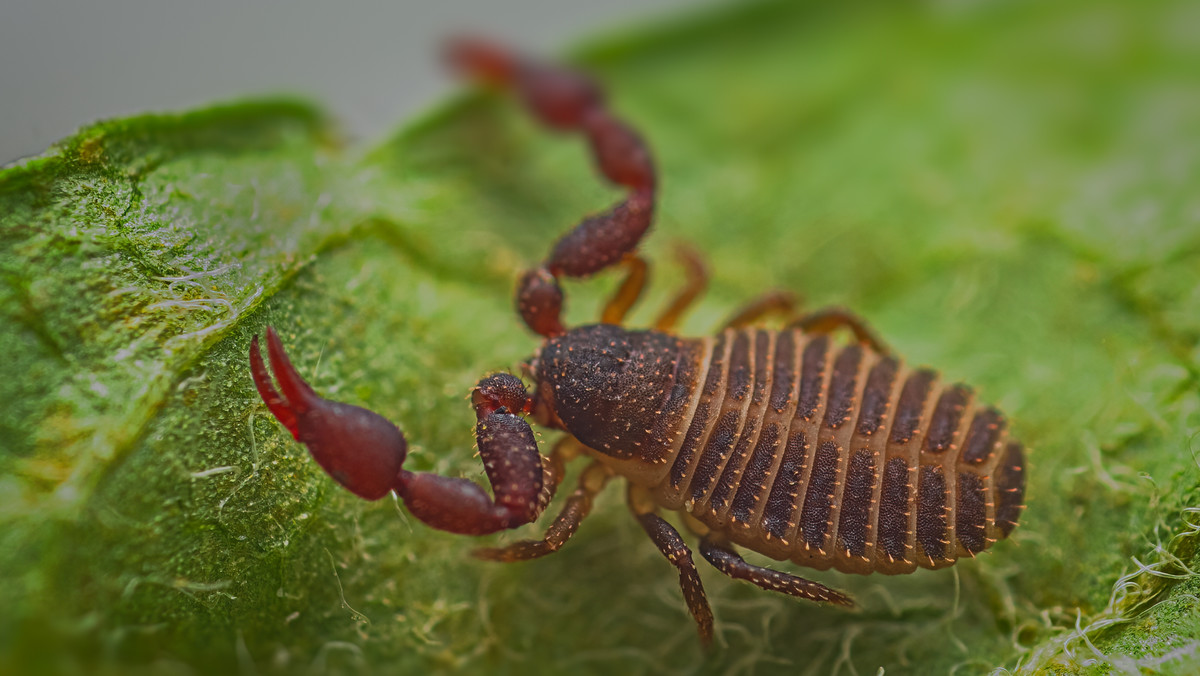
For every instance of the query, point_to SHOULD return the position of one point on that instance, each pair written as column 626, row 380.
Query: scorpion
column 778, row 441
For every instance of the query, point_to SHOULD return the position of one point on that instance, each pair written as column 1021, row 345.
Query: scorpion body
column 788, row 446
column 782, row 441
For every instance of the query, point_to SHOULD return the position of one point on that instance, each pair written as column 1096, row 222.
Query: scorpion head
column 594, row 379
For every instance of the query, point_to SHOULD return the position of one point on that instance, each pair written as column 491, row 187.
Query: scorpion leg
column 672, row 546
column 595, row 476
column 696, row 275
column 628, row 293
column 365, row 452
column 770, row 303
column 554, row 467
column 567, row 100
column 723, row 557
column 831, row 319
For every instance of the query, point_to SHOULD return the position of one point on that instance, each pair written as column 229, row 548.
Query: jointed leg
column 697, row 279
column 723, row 557
column 770, row 303
column 554, row 467
column 829, row 320
column 575, row 510
column 628, row 293
column 672, row 546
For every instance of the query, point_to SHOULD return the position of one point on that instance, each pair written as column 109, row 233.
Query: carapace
column 781, row 441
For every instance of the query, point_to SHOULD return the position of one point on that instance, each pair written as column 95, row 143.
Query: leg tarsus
column 723, row 557
column 565, row 524
column 828, row 320
column 672, row 546
column 574, row 511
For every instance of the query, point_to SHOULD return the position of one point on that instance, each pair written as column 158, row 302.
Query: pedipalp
column 566, row 100
column 365, row 452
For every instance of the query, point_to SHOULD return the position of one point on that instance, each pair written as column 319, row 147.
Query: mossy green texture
column 1007, row 191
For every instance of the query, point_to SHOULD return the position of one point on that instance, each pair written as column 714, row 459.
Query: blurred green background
column 1006, row 190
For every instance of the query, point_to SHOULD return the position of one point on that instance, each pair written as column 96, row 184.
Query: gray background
column 372, row 63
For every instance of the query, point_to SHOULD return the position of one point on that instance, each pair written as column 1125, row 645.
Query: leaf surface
column 1006, row 191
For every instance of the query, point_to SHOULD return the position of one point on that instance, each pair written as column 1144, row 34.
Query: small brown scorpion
column 774, row 440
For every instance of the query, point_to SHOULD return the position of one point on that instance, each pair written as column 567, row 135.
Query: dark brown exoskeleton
column 779, row 441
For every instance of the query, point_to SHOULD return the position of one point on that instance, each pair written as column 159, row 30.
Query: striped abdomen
column 830, row 457
column 842, row 457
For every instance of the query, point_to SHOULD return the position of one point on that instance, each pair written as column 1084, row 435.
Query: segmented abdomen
column 841, row 457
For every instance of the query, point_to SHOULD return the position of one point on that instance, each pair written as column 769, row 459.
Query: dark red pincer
column 360, row 449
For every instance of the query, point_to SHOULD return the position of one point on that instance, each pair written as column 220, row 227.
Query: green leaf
column 1007, row 191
